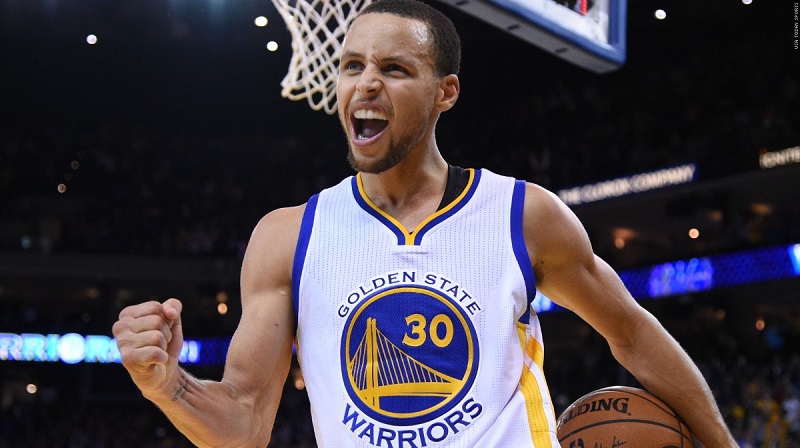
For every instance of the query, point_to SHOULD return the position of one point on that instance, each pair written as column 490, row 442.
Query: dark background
column 171, row 140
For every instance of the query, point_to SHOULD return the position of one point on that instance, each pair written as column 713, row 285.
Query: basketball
column 621, row 416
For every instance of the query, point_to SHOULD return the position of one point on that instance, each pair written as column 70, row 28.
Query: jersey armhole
column 300, row 253
column 518, row 244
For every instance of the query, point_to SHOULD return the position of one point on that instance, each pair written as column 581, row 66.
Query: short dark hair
column 446, row 46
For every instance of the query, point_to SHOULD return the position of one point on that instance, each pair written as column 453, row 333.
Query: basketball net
column 317, row 28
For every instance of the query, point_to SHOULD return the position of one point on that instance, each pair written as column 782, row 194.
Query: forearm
column 665, row 370
column 210, row 413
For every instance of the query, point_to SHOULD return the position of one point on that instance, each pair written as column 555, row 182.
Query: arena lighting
column 794, row 254
column 73, row 348
column 222, row 309
column 704, row 274
column 541, row 303
column 719, row 271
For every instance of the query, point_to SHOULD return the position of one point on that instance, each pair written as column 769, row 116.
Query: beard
column 398, row 149
column 395, row 154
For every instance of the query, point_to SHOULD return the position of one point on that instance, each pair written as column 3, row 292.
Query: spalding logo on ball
column 620, row 416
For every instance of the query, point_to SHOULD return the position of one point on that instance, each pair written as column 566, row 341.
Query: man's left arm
column 569, row 273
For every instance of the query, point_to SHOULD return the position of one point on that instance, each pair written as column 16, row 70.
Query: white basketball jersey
column 421, row 338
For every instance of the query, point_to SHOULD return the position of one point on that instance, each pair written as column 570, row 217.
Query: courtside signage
column 700, row 274
column 73, row 348
column 622, row 186
column 771, row 159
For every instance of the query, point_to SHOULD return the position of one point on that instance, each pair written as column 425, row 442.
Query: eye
column 351, row 65
column 395, row 68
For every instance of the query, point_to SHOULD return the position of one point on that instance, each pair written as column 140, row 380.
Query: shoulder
column 542, row 205
column 283, row 225
column 279, row 223
column 552, row 230
column 270, row 250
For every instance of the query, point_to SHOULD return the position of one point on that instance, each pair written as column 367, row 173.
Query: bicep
column 569, row 273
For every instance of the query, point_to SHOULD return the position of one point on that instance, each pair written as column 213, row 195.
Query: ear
column 449, row 88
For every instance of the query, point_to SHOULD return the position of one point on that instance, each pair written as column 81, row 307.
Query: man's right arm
column 239, row 410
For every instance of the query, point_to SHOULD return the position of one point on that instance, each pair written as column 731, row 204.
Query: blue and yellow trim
column 414, row 237
column 300, row 253
column 518, row 243
column 534, row 388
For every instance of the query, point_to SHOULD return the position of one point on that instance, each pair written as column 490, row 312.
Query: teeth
column 363, row 114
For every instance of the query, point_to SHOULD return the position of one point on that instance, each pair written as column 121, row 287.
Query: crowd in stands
column 756, row 380
column 115, row 185
column 198, row 186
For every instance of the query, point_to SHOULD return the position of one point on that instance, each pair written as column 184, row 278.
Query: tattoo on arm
column 182, row 389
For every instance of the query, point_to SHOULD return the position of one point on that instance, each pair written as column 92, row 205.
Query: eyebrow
column 350, row 54
column 356, row 55
column 400, row 59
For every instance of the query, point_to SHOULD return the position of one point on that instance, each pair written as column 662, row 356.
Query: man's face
column 386, row 90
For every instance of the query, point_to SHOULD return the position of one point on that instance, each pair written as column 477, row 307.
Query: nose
column 368, row 83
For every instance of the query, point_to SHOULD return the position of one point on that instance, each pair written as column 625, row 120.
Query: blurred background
column 140, row 142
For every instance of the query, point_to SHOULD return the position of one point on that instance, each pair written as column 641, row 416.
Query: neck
column 409, row 192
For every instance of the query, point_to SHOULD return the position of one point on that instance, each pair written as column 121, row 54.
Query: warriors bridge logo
column 410, row 354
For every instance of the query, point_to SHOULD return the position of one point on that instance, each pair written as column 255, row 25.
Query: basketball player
column 407, row 287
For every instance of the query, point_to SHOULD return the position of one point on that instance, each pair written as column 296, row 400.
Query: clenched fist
column 150, row 338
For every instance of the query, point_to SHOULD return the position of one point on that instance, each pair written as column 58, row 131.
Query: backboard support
column 588, row 33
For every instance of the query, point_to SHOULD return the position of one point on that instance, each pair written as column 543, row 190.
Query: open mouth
column 368, row 124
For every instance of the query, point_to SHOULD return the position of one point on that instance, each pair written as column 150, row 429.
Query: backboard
column 588, row 33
